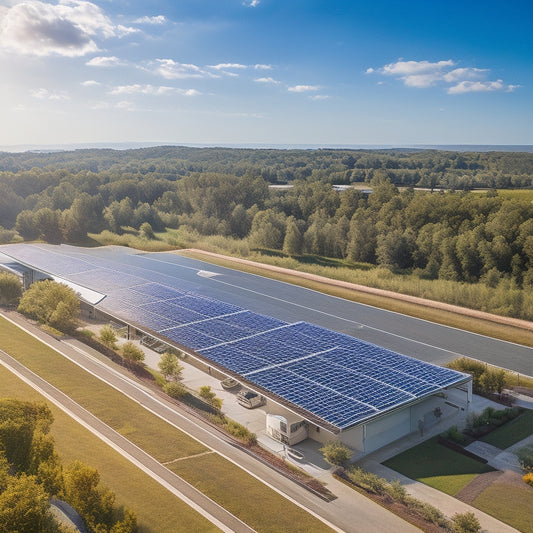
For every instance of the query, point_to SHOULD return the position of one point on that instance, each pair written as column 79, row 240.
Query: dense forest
column 442, row 232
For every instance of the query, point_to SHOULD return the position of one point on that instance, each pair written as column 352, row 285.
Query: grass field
column 131, row 485
column 437, row 466
column 511, row 432
column 510, row 504
column 161, row 440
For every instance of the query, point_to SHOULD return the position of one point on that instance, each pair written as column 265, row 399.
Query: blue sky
column 266, row 71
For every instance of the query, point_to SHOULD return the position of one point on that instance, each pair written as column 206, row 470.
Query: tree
column 25, row 225
column 10, row 289
column 292, row 245
column 132, row 353
column 146, row 231
column 24, row 506
column 82, row 491
column 210, row 397
column 48, row 223
column 108, row 337
column 336, row 453
column 170, row 367
column 51, row 303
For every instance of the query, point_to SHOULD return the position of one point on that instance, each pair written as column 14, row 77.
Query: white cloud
column 423, row 74
column 188, row 92
column 125, row 104
column 90, row 83
column 417, row 73
column 303, row 88
column 267, row 80
column 460, row 74
column 158, row 19
column 319, row 97
column 480, row 86
column 104, row 61
column 251, row 3
column 68, row 28
column 45, row 94
column 260, row 66
column 172, row 70
column 141, row 89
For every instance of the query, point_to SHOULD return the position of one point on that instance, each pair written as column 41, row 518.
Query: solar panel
column 336, row 377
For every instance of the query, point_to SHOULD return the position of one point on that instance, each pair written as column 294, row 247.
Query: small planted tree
column 108, row 337
column 132, row 353
column 53, row 304
column 210, row 397
column 336, row 453
column 170, row 367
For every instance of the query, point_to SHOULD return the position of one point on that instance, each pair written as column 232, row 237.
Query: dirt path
column 469, row 493
column 515, row 322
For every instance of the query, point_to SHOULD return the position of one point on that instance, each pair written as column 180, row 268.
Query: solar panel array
column 337, row 378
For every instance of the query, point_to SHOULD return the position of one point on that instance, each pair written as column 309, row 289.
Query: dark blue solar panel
column 188, row 336
column 336, row 377
column 157, row 291
column 179, row 314
column 253, row 322
column 207, row 306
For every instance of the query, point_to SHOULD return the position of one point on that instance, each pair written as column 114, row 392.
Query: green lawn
column 437, row 466
column 512, row 432
column 161, row 440
column 129, row 483
column 510, row 504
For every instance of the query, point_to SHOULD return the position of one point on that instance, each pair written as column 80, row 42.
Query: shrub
column 466, row 523
column 397, row 491
column 368, row 481
column 454, row 435
column 108, row 337
column 336, row 453
column 528, row 478
column 132, row 353
column 210, row 397
column 525, row 456
column 175, row 390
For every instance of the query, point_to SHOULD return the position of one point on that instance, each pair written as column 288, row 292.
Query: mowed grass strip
column 511, row 432
column 508, row 503
column 221, row 481
column 159, row 439
column 437, row 466
column 157, row 510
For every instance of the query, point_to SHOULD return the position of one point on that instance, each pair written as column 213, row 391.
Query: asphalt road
column 350, row 512
column 410, row 336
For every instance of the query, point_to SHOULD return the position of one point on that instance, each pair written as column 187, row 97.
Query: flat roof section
column 336, row 378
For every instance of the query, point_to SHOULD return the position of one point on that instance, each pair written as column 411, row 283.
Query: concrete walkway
column 499, row 459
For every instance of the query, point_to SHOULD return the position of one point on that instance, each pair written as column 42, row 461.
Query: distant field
column 522, row 194
column 161, row 440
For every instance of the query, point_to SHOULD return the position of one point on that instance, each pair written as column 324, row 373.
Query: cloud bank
column 68, row 28
column 457, row 80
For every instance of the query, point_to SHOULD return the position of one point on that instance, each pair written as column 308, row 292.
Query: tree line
column 445, row 234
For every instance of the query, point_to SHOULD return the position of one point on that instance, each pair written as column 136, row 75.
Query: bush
column 454, row 435
column 525, row 456
column 368, row 481
column 108, row 337
column 175, row 390
column 336, row 453
column 528, row 478
column 466, row 523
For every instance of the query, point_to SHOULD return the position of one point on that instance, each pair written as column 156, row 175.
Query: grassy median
column 160, row 512
column 249, row 499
